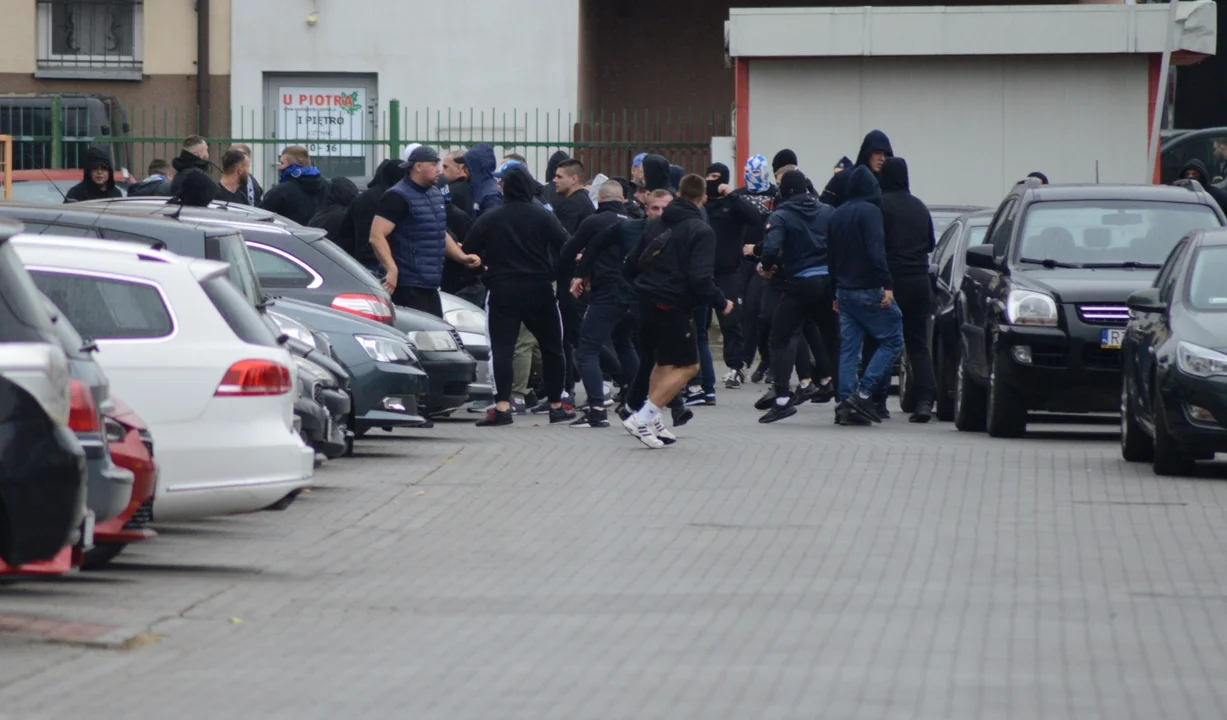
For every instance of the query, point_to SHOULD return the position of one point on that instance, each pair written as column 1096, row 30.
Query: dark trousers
column 534, row 305
column 750, row 312
column 733, row 287
column 913, row 295
column 571, row 312
column 805, row 304
column 637, row 395
column 423, row 299
column 707, row 370
column 606, row 320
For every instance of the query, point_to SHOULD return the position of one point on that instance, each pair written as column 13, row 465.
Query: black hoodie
column 332, row 218
column 519, row 241
column 1203, row 177
column 298, row 198
column 547, row 192
column 856, row 248
column 86, row 189
column 185, row 163
column 355, row 234
column 602, row 259
column 682, row 277
column 197, row 190
column 656, row 173
column 731, row 217
column 906, row 221
column 874, row 141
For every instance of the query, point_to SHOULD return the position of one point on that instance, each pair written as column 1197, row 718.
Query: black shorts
column 668, row 335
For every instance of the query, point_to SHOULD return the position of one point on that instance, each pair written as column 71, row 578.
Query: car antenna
column 57, row 187
column 1097, row 172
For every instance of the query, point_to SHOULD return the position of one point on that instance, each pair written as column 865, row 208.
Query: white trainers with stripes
column 662, row 432
column 643, row 433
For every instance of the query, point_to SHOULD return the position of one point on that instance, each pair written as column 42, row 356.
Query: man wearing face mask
column 761, row 192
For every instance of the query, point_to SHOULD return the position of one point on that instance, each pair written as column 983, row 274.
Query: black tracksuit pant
column 914, row 294
column 533, row 304
column 731, row 285
column 805, row 304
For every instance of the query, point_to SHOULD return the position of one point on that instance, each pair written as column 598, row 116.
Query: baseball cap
column 638, row 161
column 416, row 153
column 502, row 169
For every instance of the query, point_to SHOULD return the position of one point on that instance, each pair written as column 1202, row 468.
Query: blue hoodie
column 483, row 188
column 856, row 242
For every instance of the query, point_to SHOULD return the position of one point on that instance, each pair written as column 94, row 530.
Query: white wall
column 969, row 127
column 478, row 54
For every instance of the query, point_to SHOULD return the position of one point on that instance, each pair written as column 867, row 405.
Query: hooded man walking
column 908, row 230
column 864, row 296
column 98, row 179
column 731, row 215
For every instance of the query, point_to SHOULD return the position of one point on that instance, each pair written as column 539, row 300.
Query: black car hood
column 1078, row 285
column 408, row 320
column 1207, row 329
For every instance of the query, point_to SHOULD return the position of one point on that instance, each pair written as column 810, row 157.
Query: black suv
column 1043, row 300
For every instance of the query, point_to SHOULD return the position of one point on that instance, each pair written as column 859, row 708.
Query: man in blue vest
column 409, row 235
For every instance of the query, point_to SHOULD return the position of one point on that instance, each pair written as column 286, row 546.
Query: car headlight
column 295, row 331
column 311, row 372
column 1198, row 361
column 433, row 340
column 384, row 350
column 469, row 321
column 1024, row 307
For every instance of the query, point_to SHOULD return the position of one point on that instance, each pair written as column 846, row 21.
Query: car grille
column 142, row 517
column 456, row 388
column 456, row 337
column 1047, row 358
column 1097, row 358
column 317, row 392
column 1104, row 314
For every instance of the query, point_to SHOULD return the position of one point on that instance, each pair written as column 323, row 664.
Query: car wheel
column 1135, row 444
column 969, row 400
column 1007, row 416
column 945, row 387
column 101, row 555
column 1169, row 458
column 907, row 388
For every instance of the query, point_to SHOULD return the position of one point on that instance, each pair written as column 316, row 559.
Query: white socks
column 647, row 413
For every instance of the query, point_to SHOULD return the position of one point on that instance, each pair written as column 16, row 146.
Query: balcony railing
column 90, row 37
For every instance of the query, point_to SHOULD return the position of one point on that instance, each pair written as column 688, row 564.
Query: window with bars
column 103, row 35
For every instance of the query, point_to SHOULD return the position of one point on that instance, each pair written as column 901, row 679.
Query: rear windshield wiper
column 1050, row 263
column 1126, row 264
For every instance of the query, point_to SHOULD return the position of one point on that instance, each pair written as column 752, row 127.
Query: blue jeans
column 707, row 370
column 605, row 320
column 860, row 314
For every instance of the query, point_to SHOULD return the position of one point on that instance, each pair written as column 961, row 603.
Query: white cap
column 404, row 154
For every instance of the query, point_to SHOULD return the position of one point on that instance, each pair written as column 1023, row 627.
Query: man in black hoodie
column 98, row 180
column 519, row 243
column 332, row 218
column 875, row 148
column 673, row 269
column 1196, row 170
column 193, row 157
column 731, row 216
column 302, row 191
column 856, row 249
column 908, row 229
column 355, row 232
column 795, row 248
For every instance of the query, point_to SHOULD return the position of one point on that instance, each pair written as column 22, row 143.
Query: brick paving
column 799, row 570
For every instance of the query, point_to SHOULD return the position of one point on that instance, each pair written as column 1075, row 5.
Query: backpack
column 655, row 247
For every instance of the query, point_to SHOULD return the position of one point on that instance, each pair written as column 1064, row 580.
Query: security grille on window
column 90, row 34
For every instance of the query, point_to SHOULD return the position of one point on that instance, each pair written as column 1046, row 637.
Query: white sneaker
column 662, row 432
column 643, row 433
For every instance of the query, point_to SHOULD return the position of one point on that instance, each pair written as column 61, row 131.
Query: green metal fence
column 347, row 139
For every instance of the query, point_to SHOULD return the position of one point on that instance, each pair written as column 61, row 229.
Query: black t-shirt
column 393, row 207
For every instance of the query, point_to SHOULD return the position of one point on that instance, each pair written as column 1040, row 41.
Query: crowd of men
column 614, row 282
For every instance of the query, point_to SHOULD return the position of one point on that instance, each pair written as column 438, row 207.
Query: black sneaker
column 624, row 411
column 681, row 416
column 592, row 419
column 826, row 393
column 562, row 413
column 540, row 408
column 531, row 399
column 845, row 415
column 778, row 412
column 757, row 376
column 766, row 400
column 864, row 406
column 880, row 408
column 693, row 397
column 804, row 393
column 924, row 412
column 734, row 379
column 495, row 417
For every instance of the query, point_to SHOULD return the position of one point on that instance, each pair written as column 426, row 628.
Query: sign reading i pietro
column 328, row 119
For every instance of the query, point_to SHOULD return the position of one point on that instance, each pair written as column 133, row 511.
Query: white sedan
column 185, row 349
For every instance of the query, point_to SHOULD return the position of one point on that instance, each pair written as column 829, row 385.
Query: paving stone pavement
column 799, row 570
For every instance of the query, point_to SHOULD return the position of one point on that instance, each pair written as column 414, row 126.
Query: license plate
column 1111, row 338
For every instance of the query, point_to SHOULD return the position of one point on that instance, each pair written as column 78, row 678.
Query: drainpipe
column 202, row 65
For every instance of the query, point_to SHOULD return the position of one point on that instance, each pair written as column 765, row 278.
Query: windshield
column 1207, row 291
column 941, row 221
column 232, row 249
column 976, row 235
column 1109, row 232
column 42, row 192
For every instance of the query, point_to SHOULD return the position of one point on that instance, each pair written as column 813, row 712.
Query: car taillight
column 83, row 414
column 255, row 377
column 367, row 306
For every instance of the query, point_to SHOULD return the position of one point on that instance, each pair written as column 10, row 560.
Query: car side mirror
column 1146, row 300
column 981, row 256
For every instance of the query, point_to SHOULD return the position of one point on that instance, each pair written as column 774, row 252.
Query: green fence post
column 57, row 132
column 394, row 128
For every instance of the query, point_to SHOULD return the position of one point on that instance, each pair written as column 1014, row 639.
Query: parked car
column 949, row 260
column 42, row 488
column 1173, row 391
column 469, row 320
column 943, row 215
column 1043, row 301
column 185, row 348
column 387, row 382
column 324, row 403
column 109, row 487
column 131, row 446
column 156, row 206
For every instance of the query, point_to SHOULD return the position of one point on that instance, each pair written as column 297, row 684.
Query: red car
column 132, row 449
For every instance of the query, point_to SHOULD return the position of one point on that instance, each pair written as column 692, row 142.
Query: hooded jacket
column 520, row 241
column 483, row 188
column 460, row 195
column 1203, row 177
column 573, row 209
column 197, row 190
column 874, row 141
column 597, row 241
column 86, row 189
column 856, row 247
column 354, row 236
column 906, row 222
column 185, row 163
column 548, row 193
column 332, row 218
column 301, row 193
column 797, row 236
column 731, row 217
column 457, row 277
column 656, row 173
column 836, row 190
column 676, row 173
column 682, row 277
